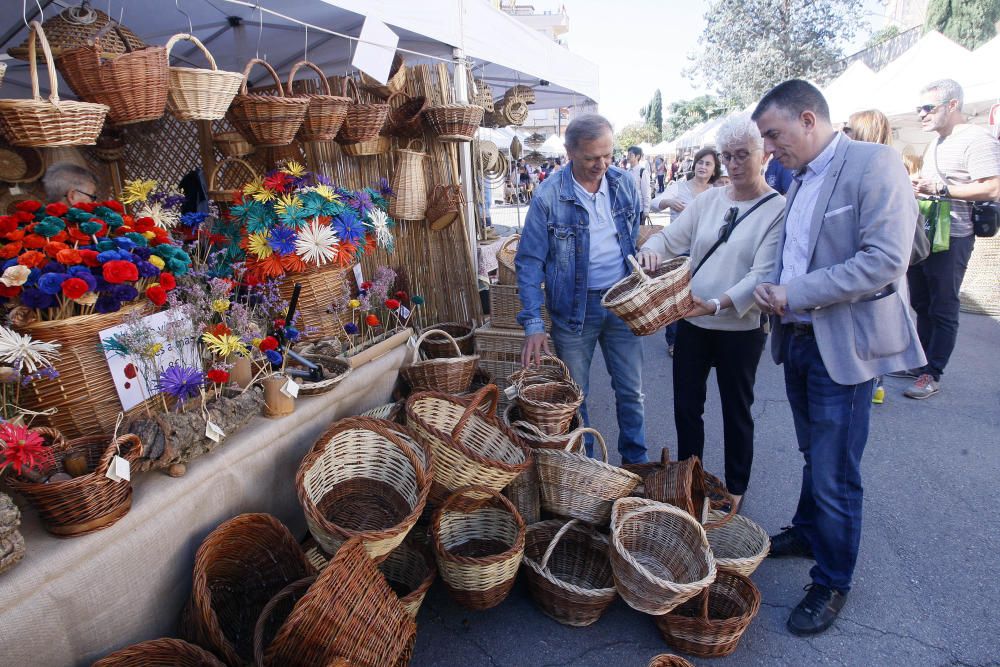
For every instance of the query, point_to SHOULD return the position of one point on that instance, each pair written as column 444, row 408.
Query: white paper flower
column 16, row 275
column 316, row 243
column 378, row 220
column 163, row 217
column 22, row 353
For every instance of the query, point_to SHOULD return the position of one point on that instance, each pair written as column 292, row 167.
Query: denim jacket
column 555, row 248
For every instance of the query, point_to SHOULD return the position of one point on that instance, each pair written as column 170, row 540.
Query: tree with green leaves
column 634, row 134
column 968, row 22
column 652, row 113
column 748, row 47
column 685, row 114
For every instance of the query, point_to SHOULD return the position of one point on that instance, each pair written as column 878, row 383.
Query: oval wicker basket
column 451, row 374
column 326, row 111
column 659, row 554
column 711, row 625
column 393, row 412
column 439, row 346
column 569, row 574
column 52, row 122
column 266, row 119
column 454, row 122
column 363, row 122
column 173, row 652
column 650, row 302
column 574, row 485
column 550, row 406
column 86, row 503
column 360, row 480
column 478, row 539
column 335, row 370
column 195, row 93
column 443, row 204
column 739, row 545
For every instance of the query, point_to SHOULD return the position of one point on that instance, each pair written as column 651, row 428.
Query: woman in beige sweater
column 732, row 236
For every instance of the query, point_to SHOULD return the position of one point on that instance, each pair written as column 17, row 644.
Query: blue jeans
column 623, row 358
column 831, row 424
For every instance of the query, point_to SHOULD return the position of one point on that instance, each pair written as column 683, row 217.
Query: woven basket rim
column 668, row 273
column 546, row 573
column 516, row 550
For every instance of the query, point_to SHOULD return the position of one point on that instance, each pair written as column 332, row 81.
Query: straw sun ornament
column 21, row 352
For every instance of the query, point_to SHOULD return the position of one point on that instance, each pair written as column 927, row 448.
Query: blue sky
column 642, row 45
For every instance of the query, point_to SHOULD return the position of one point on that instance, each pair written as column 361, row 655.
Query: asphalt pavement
column 926, row 588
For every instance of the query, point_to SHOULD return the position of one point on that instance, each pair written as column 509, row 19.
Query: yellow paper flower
column 354, row 303
column 293, row 168
column 327, row 192
column 156, row 261
column 256, row 342
column 149, row 235
column 153, row 350
column 225, row 345
column 253, row 186
column 264, row 195
column 137, row 191
column 285, row 201
column 220, row 305
column 257, row 245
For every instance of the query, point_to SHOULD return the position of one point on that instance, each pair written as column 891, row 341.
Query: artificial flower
column 120, row 271
column 157, row 262
column 293, row 168
column 32, row 259
column 351, row 329
column 219, row 329
column 291, row 334
column 372, row 320
column 218, row 376
column 220, row 305
column 162, row 216
column 181, row 382
column 23, row 449
column 51, row 283
column 33, row 297
column 28, row 206
column 379, row 222
column 152, row 350
column 16, row 275
column 348, row 227
column 167, row 281
column 157, row 294
column 137, row 191
column 417, row 300
column 22, row 353
column 268, row 343
column 281, row 240
column 257, row 244
column 254, row 186
column 74, row 288
column 277, row 182
column 68, row 256
column 366, row 285
column 106, row 303
column 316, row 243
column 225, row 345
column 274, row 357
column 292, row 263
column 392, row 304
column 354, row 303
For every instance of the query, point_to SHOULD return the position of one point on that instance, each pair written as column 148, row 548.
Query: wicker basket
column 76, row 26
column 395, row 83
column 451, row 375
column 232, row 144
column 219, row 193
column 550, row 369
column 435, row 346
column 505, row 304
column 364, row 122
column 500, row 354
column 483, row 97
column 394, row 412
column 669, row 660
column 568, row 571
column 530, row 434
column 514, row 112
column 711, row 625
column 361, row 481
column 349, row 612
column 648, row 303
column 406, row 116
column 522, row 93
column 409, row 183
column 739, row 544
column 87, row 503
column 575, row 485
column 478, row 539
column 443, row 205
column 659, row 554
column 468, row 443
column 334, row 369
column 506, row 272
column 523, row 492
column 321, row 287
column 454, row 122
column 326, row 111
column 267, row 119
column 238, row 568
column 52, row 122
column 550, row 406
column 378, row 146
column 20, row 164
column 199, row 94
column 679, row 483
column 489, row 154
column 980, row 293
column 165, row 652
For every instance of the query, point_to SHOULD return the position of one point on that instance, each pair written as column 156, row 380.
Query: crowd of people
column 816, row 241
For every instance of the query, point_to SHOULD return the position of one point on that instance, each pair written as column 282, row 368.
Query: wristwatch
column 718, row 305
column 943, row 190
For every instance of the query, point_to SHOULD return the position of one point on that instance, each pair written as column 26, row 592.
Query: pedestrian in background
column 660, row 165
column 639, row 171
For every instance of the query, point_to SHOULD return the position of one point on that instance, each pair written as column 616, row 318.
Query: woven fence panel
column 164, row 150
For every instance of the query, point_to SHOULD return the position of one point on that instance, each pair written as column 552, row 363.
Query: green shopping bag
column 937, row 222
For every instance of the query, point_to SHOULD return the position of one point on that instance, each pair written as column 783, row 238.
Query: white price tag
column 290, row 389
column 15, row 190
column 404, row 312
column 510, row 392
column 213, row 432
column 119, row 470
column 358, row 275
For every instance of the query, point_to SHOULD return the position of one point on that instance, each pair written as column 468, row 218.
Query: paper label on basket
column 119, row 470
column 15, row 190
column 213, row 432
column 290, row 389
column 404, row 313
column 358, row 276
column 510, row 392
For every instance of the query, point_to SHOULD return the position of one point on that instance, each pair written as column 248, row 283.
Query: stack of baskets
column 546, row 396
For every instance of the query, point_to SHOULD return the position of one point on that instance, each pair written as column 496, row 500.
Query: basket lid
column 77, row 26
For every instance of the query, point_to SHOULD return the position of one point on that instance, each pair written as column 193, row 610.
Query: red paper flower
column 269, row 343
column 34, row 241
column 9, row 250
column 277, row 181
column 32, row 259
column 392, row 304
column 279, row 321
column 52, row 248
column 57, row 209
column 60, row 237
column 17, row 235
column 402, row 296
column 8, row 223
column 119, row 271
column 9, row 292
column 68, row 256
column 218, row 376
column 115, row 206
column 23, row 217
column 156, row 294
column 89, row 258
column 29, row 206
column 146, row 224
column 366, row 284
column 74, row 288
column 23, row 449
column 219, row 330
column 372, row 321
column 167, row 281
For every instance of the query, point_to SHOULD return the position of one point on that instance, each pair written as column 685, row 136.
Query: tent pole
column 465, row 158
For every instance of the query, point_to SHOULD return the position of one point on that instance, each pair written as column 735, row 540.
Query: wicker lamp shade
column 265, row 119
column 78, row 26
column 409, row 183
column 199, row 94
column 326, row 111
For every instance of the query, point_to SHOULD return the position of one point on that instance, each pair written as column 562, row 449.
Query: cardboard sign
column 119, row 470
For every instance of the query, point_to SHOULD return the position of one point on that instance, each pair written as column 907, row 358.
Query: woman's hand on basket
column 649, row 260
column 700, row 308
column 535, row 346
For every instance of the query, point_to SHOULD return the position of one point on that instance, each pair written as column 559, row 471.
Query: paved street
column 926, row 589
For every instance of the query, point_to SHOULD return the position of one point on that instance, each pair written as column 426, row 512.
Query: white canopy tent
column 664, row 148
column 553, row 146
column 843, row 93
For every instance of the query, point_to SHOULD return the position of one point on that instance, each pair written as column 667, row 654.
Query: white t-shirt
column 968, row 154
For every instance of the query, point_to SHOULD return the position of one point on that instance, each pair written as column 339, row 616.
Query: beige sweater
column 737, row 266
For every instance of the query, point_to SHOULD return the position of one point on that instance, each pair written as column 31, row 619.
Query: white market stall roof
column 507, row 51
column 663, row 148
column 553, row 146
column 843, row 93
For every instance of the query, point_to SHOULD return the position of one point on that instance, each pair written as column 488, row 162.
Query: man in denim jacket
column 582, row 224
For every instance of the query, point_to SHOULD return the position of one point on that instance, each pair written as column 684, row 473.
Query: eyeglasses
column 93, row 197
column 929, row 108
column 738, row 158
column 848, row 131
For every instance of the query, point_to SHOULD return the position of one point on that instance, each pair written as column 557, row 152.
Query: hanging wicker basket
column 52, row 122
column 378, row 146
column 363, row 122
column 514, row 112
column 454, row 122
column 267, row 119
column 574, row 485
column 232, row 144
column 173, row 652
column 199, row 94
column 77, row 26
column 569, row 574
column 361, row 481
column 443, row 205
column 409, row 183
column 226, row 195
column 406, row 116
column 478, row 539
column 326, row 111
column 133, row 85
column 394, row 84
column 483, row 96
column 649, row 302
column 659, row 554
column 451, row 374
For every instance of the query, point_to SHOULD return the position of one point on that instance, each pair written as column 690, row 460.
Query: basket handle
column 555, row 540
column 576, row 437
column 637, row 269
column 507, row 242
column 416, row 348
column 489, row 395
column 218, row 167
column 37, row 32
column 725, row 518
column 270, row 70
column 197, row 42
column 59, row 442
column 418, row 142
column 265, row 614
column 129, row 442
column 311, row 65
column 464, row 500
column 108, row 27
column 356, row 96
column 527, row 429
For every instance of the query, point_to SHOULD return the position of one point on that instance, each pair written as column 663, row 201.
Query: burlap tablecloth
column 72, row 601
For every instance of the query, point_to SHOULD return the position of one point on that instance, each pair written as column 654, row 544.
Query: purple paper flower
column 36, row 298
column 106, row 303
column 384, row 188
column 181, row 382
column 361, row 202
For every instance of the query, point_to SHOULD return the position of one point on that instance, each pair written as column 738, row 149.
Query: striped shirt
column 968, row 154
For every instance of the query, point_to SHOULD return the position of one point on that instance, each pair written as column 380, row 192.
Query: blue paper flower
column 106, row 303
column 36, row 298
column 351, row 328
column 274, row 357
column 51, row 283
column 349, row 229
column 291, row 333
column 281, row 240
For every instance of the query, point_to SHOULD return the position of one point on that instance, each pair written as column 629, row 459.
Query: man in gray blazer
column 838, row 301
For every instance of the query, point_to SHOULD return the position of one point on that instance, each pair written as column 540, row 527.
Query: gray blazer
column 859, row 248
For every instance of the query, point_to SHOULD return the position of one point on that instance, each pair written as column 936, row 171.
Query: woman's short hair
column 738, row 129
column 62, row 177
column 717, row 171
column 586, row 127
column 870, row 125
